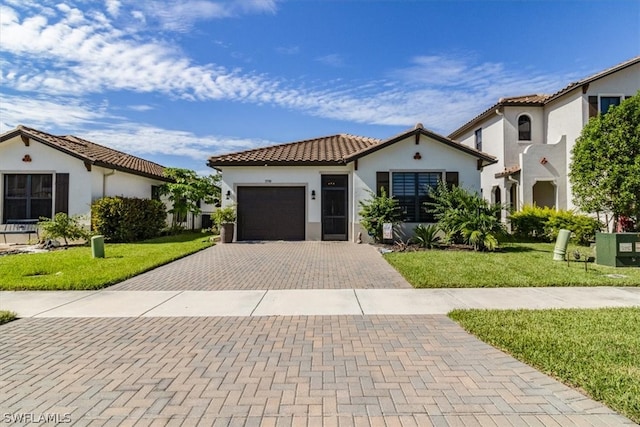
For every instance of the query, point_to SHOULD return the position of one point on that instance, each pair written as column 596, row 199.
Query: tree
column 605, row 164
column 187, row 189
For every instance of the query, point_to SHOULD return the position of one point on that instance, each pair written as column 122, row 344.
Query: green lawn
column 518, row 264
column 74, row 268
column 597, row 351
column 6, row 316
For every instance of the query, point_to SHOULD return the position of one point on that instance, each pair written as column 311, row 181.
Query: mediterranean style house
column 43, row 174
column 532, row 137
column 312, row 189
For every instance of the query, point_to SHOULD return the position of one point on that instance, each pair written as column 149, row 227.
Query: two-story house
column 532, row 136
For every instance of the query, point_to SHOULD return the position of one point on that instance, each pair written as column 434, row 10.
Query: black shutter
column 382, row 181
column 451, row 179
column 593, row 106
column 62, row 193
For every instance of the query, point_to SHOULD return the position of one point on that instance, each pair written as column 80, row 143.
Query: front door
column 334, row 207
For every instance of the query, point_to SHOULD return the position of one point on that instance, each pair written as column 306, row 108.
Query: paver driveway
column 274, row 265
column 350, row 370
column 278, row 370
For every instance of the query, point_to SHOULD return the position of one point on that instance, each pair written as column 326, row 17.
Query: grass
column 6, row 316
column 596, row 351
column 75, row 269
column 519, row 264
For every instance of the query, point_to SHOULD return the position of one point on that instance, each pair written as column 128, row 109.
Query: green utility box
column 618, row 249
column 97, row 246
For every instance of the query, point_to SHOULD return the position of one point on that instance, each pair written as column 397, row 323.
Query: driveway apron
column 273, row 265
column 274, row 370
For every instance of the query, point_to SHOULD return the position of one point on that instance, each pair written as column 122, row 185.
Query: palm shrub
column 426, row 236
column 63, row 226
column 376, row 211
column 465, row 217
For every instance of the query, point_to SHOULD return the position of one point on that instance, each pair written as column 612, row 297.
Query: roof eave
column 486, row 158
column 217, row 165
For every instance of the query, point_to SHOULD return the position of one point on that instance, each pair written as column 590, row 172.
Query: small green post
column 97, row 246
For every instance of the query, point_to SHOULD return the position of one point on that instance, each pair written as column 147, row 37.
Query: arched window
column 524, row 128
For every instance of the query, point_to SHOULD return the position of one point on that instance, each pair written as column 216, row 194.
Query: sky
column 176, row 82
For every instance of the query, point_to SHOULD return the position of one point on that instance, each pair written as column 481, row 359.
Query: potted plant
column 225, row 219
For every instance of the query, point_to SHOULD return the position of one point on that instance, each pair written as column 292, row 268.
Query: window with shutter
column 411, row 189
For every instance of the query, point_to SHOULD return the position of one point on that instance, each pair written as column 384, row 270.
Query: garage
column 271, row 213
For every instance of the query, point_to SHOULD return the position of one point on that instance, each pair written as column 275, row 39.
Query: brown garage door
column 271, row 213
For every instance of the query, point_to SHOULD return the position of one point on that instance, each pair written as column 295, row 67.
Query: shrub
column 426, row 236
column 583, row 227
column 124, row 219
column 63, row 226
column 377, row 211
column 530, row 221
column 226, row 215
column 545, row 223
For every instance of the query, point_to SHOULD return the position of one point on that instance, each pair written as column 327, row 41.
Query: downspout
column 104, row 181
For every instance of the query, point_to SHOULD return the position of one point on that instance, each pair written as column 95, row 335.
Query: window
column 155, row 192
column 382, row 182
column 602, row 104
column 524, row 128
column 27, row 196
column 607, row 101
column 411, row 189
column 478, row 134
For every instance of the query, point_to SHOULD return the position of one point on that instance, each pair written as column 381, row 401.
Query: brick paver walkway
column 289, row 371
column 274, row 265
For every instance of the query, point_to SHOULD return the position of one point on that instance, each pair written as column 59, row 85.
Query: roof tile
column 93, row 153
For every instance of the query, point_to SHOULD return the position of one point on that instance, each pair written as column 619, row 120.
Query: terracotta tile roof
column 540, row 100
column 330, row 150
column 91, row 152
column 508, row 172
column 333, row 149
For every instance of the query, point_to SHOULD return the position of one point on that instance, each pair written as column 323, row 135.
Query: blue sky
column 177, row 81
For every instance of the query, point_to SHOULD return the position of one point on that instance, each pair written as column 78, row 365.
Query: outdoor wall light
column 313, row 194
column 228, row 194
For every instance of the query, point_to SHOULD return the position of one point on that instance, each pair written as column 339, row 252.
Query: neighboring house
column 533, row 135
column 43, row 174
column 312, row 189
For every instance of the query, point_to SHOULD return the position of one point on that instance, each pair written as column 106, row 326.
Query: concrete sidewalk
column 313, row 302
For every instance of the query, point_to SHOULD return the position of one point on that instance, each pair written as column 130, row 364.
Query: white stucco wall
column 84, row 186
column 552, row 169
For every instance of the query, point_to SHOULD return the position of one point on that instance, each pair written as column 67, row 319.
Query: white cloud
column 141, row 140
column 113, row 7
column 180, row 16
column 333, row 60
column 43, row 114
column 73, row 54
column 140, row 108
